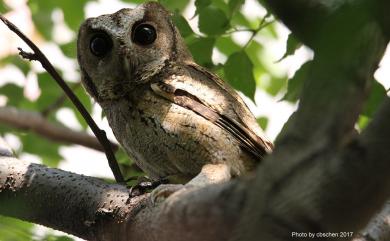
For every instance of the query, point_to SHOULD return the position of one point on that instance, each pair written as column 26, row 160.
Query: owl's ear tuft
column 155, row 6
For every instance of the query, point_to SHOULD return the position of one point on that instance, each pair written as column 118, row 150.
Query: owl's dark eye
column 100, row 44
column 144, row 34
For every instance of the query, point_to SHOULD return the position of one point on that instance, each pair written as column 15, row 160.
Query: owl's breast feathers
column 202, row 92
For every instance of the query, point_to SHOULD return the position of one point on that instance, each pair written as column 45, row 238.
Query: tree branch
column 316, row 177
column 94, row 210
column 378, row 229
column 35, row 122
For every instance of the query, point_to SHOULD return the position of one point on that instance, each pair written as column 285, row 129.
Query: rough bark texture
column 322, row 177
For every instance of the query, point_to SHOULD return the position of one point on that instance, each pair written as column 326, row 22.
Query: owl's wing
column 245, row 136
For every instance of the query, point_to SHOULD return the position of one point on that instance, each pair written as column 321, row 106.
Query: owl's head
column 117, row 52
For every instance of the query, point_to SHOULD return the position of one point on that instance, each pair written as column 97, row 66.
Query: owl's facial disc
column 122, row 50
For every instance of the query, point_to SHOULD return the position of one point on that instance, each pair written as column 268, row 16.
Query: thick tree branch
column 92, row 209
column 28, row 120
column 379, row 227
column 317, row 175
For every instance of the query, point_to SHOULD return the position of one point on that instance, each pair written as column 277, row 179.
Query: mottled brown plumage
column 169, row 114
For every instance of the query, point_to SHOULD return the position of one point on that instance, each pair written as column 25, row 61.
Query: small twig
column 240, row 30
column 262, row 25
column 100, row 134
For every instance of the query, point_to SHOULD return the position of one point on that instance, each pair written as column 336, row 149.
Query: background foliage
column 245, row 67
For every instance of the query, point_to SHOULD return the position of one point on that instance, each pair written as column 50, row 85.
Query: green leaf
column 239, row 72
column 202, row 49
column 226, row 45
column 255, row 53
column 13, row 93
column 50, row 91
column 242, row 21
column 276, row 85
column 69, row 49
column 73, row 12
column 53, row 237
column 213, row 21
column 201, row 4
column 222, row 5
column 3, row 7
column 16, row 60
column 46, row 149
column 134, row 1
column 14, row 229
column 295, row 84
column 376, row 97
column 182, row 24
column 235, row 5
column 363, row 122
column 292, row 45
column 41, row 14
column 263, row 122
column 85, row 100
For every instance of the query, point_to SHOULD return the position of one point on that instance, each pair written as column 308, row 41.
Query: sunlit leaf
column 201, row 4
column 363, row 122
column 276, row 85
column 376, row 97
column 239, row 73
column 69, row 49
column 295, row 84
column 14, row 229
column 292, row 45
column 50, row 91
column 263, row 122
column 41, row 14
column 73, row 12
column 44, row 148
column 52, row 237
column 13, row 93
column 202, row 49
column 226, row 45
column 182, row 24
column 235, row 5
column 85, row 100
column 3, row 7
column 134, row 1
column 213, row 21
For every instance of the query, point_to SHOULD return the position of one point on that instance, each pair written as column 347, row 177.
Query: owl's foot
column 160, row 193
column 144, row 185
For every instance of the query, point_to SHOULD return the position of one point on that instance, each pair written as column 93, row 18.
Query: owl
column 169, row 114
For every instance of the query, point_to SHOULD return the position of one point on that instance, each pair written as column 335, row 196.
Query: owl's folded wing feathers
column 247, row 139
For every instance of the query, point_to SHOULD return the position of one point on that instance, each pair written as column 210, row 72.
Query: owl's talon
column 144, row 185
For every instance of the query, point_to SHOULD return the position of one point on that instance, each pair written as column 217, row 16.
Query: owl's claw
column 143, row 185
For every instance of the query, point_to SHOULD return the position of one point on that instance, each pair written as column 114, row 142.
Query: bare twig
column 100, row 134
column 262, row 25
column 34, row 121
